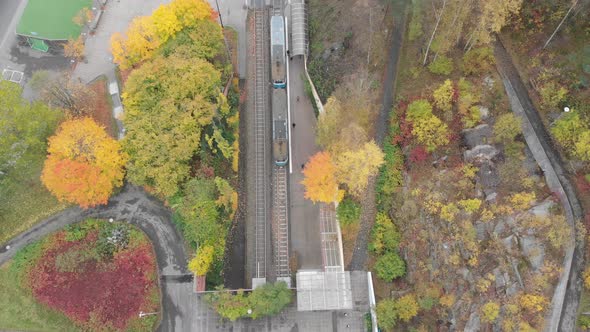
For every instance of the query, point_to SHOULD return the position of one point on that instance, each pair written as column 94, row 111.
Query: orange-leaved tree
column 84, row 164
column 320, row 179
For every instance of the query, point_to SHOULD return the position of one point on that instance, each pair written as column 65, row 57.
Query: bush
column 478, row 61
column 391, row 176
column 584, row 321
column 228, row 305
column 201, row 264
column 348, row 212
column 269, row 299
column 407, row 307
column 587, row 278
column 506, row 128
column 441, row 66
column 266, row 300
column 568, row 128
column 386, row 314
column 418, row 109
column 390, row 266
column 385, row 236
column 490, row 311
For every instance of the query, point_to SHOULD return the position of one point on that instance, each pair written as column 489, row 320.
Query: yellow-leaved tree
column 147, row 33
column 443, row 96
column 320, row 180
column 84, row 164
column 201, row 264
column 190, row 11
column 354, row 167
column 166, row 22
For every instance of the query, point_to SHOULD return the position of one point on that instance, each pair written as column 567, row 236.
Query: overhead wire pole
column 288, row 98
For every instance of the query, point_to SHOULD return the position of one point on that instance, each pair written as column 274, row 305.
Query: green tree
column 506, row 128
column 390, row 266
column 24, row 128
column 348, row 212
column 418, row 109
column 441, row 66
column 199, row 216
column 228, row 305
column 385, row 236
column 269, row 299
column 167, row 104
column 387, row 314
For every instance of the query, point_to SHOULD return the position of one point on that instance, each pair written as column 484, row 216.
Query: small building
column 47, row 24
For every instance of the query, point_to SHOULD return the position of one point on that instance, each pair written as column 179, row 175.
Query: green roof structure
column 51, row 19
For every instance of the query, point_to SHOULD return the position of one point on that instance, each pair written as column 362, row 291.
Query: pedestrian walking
column 297, row 98
column 302, row 165
column 293, row 124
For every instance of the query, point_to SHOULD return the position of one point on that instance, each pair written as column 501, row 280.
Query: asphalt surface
column 233, row 13
column 304, row 215
column 8, row 9
column 566, row 298
column 133, row 205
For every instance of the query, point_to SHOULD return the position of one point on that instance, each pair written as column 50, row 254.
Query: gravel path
column 359, row 254
column 564, row 305
column 136, row 207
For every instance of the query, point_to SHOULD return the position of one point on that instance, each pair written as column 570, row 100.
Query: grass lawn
column 19, row 310
column 25, row 201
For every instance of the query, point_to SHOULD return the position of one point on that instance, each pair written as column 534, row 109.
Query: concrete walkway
column 304, row 214
column 136, row 207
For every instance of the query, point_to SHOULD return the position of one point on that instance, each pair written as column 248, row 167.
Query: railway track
column 281, row 221
column 260, row 146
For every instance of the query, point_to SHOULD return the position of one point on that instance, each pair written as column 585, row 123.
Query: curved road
column 566, row 297
column 136, row 207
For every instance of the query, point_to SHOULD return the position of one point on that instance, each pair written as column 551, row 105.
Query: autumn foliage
column 99, row 294
column 146, row 33
column 84, row 164
column 320, row 180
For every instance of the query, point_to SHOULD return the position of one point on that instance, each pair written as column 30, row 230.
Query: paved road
column 133, row 205
column 304, row 215
column 8, row 11
column 566, row 297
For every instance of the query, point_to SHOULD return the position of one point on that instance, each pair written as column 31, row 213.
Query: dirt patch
column 235, row 249
column 103, row 109
column 349, row 233
column 347, row 38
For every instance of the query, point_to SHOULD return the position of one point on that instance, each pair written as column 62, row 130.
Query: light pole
column 220, row 20
column 143, row 314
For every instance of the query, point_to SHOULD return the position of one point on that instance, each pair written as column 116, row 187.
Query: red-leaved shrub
column 102, row 292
